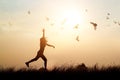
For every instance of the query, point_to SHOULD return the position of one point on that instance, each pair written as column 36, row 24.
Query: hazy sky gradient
column 20, row 31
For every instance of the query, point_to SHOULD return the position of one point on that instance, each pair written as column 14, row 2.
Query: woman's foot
column 27, row 64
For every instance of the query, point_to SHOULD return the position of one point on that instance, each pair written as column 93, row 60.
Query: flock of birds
column 63, row 22
column 77, row 25
column 115, row 22
column 94, row 24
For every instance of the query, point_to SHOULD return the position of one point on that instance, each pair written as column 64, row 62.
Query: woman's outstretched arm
column 51, row 45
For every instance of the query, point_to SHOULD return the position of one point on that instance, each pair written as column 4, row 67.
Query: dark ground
column 80, row 72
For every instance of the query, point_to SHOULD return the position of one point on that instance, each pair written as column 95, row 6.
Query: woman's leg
column 34, row 59
column 45, row 61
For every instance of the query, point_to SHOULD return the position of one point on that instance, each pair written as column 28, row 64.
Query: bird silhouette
column 86, row 10
column 29, row 12
column 47, row 19
column 108, row 13
column 77, row 38
column 94, row 25
column 76, row 26
column 119, row 23
column 107, row 18
column 115, row 22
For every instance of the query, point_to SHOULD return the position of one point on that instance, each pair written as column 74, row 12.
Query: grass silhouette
column 62, row 73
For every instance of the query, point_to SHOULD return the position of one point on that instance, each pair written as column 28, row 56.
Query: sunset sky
column 22, row 21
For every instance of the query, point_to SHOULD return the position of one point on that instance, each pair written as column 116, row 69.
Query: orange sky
column 20, row 32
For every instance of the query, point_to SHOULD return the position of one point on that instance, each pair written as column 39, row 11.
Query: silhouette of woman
column 43, row 43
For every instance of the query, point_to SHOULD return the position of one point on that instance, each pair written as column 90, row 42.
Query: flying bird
column 108, row 13
column 94, row 25
column 29, row 12
column 115, row 22
column 86, row 10
column 119, row 23
column 47, row 19
column 76, row 26
column 77, row 38
column 107, row 18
